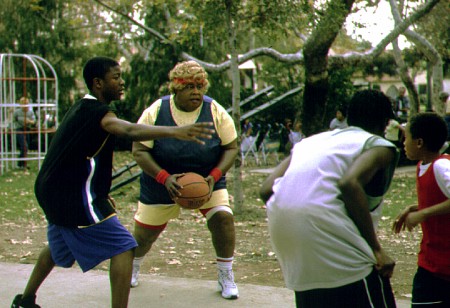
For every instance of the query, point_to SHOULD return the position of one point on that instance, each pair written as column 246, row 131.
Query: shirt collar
column 89, row 96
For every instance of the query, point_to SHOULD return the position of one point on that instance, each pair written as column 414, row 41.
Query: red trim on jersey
column 145, row 226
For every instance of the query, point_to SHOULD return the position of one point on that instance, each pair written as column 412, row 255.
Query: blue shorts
column 89, row 246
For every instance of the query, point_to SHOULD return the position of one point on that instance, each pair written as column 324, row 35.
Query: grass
column 401, row 194
column 17, row 200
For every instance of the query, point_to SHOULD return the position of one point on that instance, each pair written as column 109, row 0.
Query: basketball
column 195, row 191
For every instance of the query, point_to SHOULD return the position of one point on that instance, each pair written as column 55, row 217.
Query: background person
column 24, row 120
column 324, row 237
column 340, row 121
column 443, row 97
column 284, row 130
column 402, row 104
column 394, row 132
column 249, row 135
column 74, row 181
column 425, row 135
column 295, row 135
column 164, row 160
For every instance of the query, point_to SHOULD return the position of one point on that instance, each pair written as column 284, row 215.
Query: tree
column 326, row 25
column 314, row 55
column 434, row 59
column 57, row 31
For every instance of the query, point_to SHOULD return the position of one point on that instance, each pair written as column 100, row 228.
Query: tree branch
column 354, row 58
column 351, row 58
column 152, row 31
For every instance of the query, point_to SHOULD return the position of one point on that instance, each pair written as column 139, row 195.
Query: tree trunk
column 438, row 80
column 429, row 85
column 407, row 80
column 315, row 54
column 237, row 170
column 434, row 58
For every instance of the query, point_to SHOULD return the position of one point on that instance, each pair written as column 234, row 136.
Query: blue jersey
column 177, row 156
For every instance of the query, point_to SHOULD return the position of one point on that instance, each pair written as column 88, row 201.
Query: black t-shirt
column 74, row 181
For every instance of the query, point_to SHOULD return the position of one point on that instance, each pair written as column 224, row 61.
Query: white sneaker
column 226, row 284
column 135, row 275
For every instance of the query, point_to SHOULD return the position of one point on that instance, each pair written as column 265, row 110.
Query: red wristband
column 216, row 173
column 162, row 176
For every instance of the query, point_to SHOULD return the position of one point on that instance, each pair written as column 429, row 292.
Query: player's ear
column 420, row 143
column 98, row 82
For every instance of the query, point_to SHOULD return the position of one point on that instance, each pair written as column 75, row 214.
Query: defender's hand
column 195, row 131
column 399, row 223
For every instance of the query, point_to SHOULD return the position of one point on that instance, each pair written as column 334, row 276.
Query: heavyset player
column 325, row 239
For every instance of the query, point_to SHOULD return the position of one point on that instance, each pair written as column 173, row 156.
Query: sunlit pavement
column 70, row 288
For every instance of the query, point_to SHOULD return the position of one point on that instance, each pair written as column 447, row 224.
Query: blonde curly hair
column 188, row 72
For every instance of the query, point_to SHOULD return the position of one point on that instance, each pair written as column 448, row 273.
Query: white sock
column 225, row 263
column 138, row 261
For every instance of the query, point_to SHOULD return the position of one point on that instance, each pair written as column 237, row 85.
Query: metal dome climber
column 28, row 82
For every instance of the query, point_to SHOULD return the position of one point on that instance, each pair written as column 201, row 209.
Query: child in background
column 425, row 135
column 394, row 132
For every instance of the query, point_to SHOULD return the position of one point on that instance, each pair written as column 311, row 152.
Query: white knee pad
column 216, row 209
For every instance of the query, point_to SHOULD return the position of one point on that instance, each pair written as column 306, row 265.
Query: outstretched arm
column 140, row 132
column 411, row 216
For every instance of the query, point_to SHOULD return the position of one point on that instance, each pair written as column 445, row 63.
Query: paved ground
column 70, row 288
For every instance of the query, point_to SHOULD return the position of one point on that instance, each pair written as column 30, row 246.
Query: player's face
column 411, row 145
column 113, row 85
column 190, row 97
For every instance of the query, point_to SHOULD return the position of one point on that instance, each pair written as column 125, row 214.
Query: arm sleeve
column 148, row 117
column 442, row 174
column 223, row 123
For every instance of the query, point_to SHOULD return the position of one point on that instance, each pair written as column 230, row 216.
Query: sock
column 225, row 263
column 28, row 301
column 137, row 261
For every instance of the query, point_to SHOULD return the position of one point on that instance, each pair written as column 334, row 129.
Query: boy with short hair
column 425, row 136
column 73, row 184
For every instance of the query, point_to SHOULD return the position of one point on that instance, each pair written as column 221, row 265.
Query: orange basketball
column 195, row 191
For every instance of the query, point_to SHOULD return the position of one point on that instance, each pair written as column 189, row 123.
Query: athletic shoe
column 226, row 284
column 135, row 275
column 28, row 302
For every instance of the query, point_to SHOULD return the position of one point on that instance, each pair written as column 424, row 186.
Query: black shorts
column 429, row 290
column 372, row 291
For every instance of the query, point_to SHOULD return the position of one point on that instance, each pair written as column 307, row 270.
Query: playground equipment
column 270, row 145
column 248, row 146
column 271, row 103
column 32, row 77
column 131, row 176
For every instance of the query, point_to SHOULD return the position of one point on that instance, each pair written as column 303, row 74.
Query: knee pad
column 208, row 213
